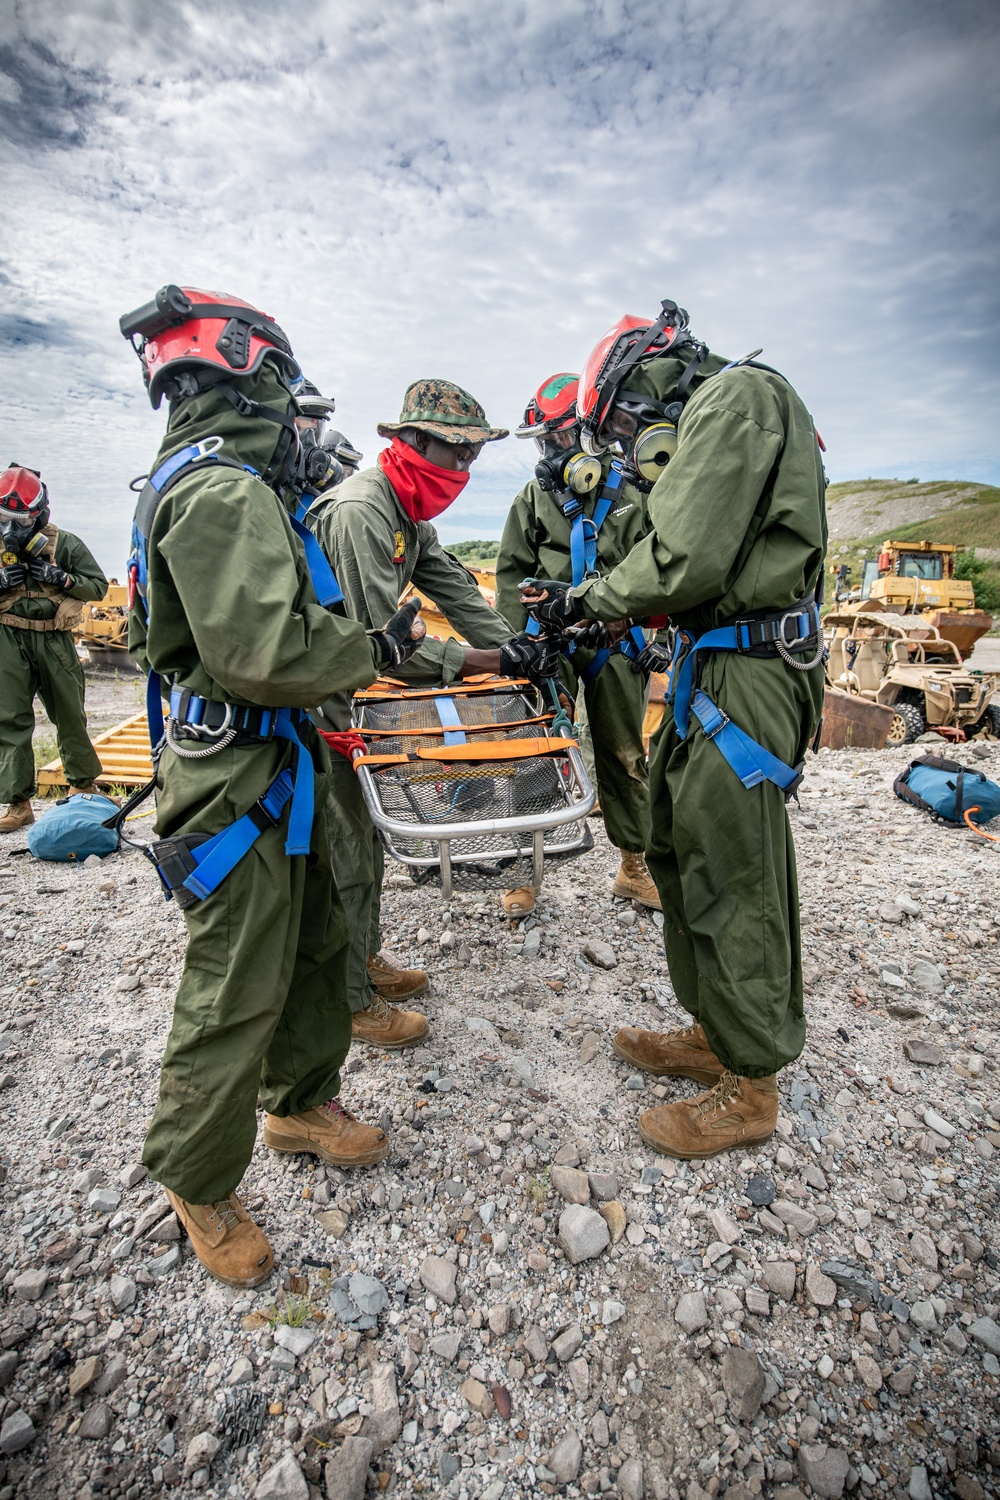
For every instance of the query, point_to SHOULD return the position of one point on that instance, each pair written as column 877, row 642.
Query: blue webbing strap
column 629, row 646
column 751, row 762
column 328, row 590
column 218, row 856
column 584, row 530
column 154, row 709
column 447, row 712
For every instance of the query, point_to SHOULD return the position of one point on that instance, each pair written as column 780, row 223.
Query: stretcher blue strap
column 447, row 712
column 218, row 856
column 328, row 590
column 749, row 759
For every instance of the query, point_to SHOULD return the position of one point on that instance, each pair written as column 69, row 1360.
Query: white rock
column 564, row 1460
column 438, row 1276
column 285, row 1481
column 691, row 1313
column 296, row 1340
column 583, row 1233
column 934, row 1122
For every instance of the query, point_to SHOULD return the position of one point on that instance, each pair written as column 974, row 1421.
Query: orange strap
column 491, row 751
column 972, row 826
column 437, row 731
column 384, row 689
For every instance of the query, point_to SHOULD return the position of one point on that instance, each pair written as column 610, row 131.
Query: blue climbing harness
column 192, row 866
column 584, row 532
column 765, row 636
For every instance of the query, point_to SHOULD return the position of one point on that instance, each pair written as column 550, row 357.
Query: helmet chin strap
column 282, row 465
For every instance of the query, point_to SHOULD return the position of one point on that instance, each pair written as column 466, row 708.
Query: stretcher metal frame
column 517, row 837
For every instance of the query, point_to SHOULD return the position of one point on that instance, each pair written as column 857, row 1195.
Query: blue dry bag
column 946, row 790
column 74, row 828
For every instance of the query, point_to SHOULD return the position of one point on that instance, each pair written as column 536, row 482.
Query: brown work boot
column 737, row 1112
column 395, row 983
column 226, row 1240
column 683, row 1053
column 86, row 786
column 519, row 903
column 381, row 1026
column 634, row 882
column 18, row 815
column 330, row 1132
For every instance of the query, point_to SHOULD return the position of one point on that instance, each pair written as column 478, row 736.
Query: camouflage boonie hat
column 444, row 409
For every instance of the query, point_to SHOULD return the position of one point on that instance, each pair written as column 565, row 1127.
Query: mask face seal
column 563, row 467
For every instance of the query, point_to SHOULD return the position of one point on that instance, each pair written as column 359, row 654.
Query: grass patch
column 45, row 749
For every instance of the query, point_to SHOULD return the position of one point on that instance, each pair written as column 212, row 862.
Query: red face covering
column 424, row 490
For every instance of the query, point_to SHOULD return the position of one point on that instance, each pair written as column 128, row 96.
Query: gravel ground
column 427, row 1318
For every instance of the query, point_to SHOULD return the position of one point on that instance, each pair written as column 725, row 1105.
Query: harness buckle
column 718, row 726
column 243, row 404
column 799, row 640
column 206, row 448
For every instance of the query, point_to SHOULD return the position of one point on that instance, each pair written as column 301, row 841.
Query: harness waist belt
column 19, row 622
column 208, row 716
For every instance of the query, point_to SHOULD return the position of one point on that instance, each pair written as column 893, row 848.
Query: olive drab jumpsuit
column 261, row 1006
column 536, row 544
column 739, row 525
column 375, row 550
column 38, row 658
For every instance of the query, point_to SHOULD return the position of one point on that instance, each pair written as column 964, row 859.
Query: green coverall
column 536, row 544
column 739, row 524
column 44, row 662
column 261, row 1005
column 375, row 550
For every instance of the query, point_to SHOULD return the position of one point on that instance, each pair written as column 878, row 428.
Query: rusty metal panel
column 853, row 723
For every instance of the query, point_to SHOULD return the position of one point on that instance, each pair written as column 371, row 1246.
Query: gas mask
column 646, row 432
column 22, row 539
column 315, row 468
column 563, row 468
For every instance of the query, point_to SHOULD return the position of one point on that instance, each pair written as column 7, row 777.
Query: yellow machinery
column 103, row 628
column 911, row 578
column 124, row 755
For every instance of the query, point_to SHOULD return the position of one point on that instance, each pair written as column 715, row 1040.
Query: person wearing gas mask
column 575, row 519
column 229, row 615
column 345, row 453
column 375, row 529
column 732, row 463
column 46, row 576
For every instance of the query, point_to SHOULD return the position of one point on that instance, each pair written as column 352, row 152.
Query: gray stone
column 87, row 1179
column 955, row 1340
column 162, row 1265
column 123, row 1292
column 284, row 1481
column 919, row 1486
column 779, row 1277
column 800, row 1219
column 938, row 1124
column 17, row 1432
column 103, row 1200
column 97, row 1421
column 854, row 1283
column 758, row 1302
column 924, row 976
column 611, row 1311
column 986, row 1331
column 448, row 1466
column 297, row 1341
column 923, row 1250
column 824, row 1468
column 583, row 1233
column 743, row 1382
column 8, row 1364
column 446, row 1345
column 282, row 1359
column 871, row 1375
column 83, row 1374
column 928, row 1054
column 114, row 1374
column 760, row 1190
column 130, row 1176
column 635, row 1082
column 368, row 1295
column 570, row 1184
column 347, row 1472
column 438, row 1276
column 242, row 1372
column 604, row 1186
column 630, row 1482
column 691, row 1312
column 821, row 1290
column 564, row 1460
column 30, row 1285
column 578, row 1371
column 601, row 954
column 922, row 1317
column 567, row 1344
column 201, row 1450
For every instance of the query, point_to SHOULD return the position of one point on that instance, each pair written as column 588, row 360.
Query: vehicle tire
column 908, row 724
column 988, row 727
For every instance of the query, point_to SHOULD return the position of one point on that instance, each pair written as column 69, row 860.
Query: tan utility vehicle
column 904, row 663
column 103, row 629
column 911, row 578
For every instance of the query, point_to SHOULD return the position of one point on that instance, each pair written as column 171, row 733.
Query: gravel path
column 817, row 1317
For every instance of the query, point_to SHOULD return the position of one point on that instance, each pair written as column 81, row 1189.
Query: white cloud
column 477, row 192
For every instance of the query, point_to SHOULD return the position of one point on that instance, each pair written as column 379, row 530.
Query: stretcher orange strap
column 384, row 689
column 491, row 750
column 431, row 732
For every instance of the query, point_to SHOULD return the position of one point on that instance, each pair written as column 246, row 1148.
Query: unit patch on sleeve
column 399, row 555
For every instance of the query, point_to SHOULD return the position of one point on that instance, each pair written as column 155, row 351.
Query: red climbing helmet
column 22, row 491
column 629, row 342
column 551, row 408
column 185, row 334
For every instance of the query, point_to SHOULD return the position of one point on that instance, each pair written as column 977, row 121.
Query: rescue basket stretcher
column 471, row 785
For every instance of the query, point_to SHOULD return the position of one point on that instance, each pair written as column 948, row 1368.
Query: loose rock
column 583, row 1233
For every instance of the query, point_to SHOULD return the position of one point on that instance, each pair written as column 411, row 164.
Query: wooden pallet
column 124, row 754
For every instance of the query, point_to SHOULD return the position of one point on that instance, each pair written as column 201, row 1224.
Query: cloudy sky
column 477, row 190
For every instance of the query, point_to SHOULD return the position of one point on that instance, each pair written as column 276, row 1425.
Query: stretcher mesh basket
column 489, row 816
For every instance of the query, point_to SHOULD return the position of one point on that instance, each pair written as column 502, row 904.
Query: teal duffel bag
column 73, row 828
column 948, row 790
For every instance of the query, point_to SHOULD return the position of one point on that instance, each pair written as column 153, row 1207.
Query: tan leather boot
column 18, row 815
column 634, row 882
column 88, row 786
column 395, row 983
column 226, row 1240
column 736, row 1113
column 330, row 1132
column 519, row 903
column 381, row 1026
column 683, row 1053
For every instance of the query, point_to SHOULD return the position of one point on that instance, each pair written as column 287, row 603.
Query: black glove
column 593, row 636
column 401, row 636
column 534, row 656
column 50, row 573
column 556, row 609
column 652, row 658
column 12, row 576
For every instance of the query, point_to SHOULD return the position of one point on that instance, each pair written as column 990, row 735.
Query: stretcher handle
column 491, row 750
